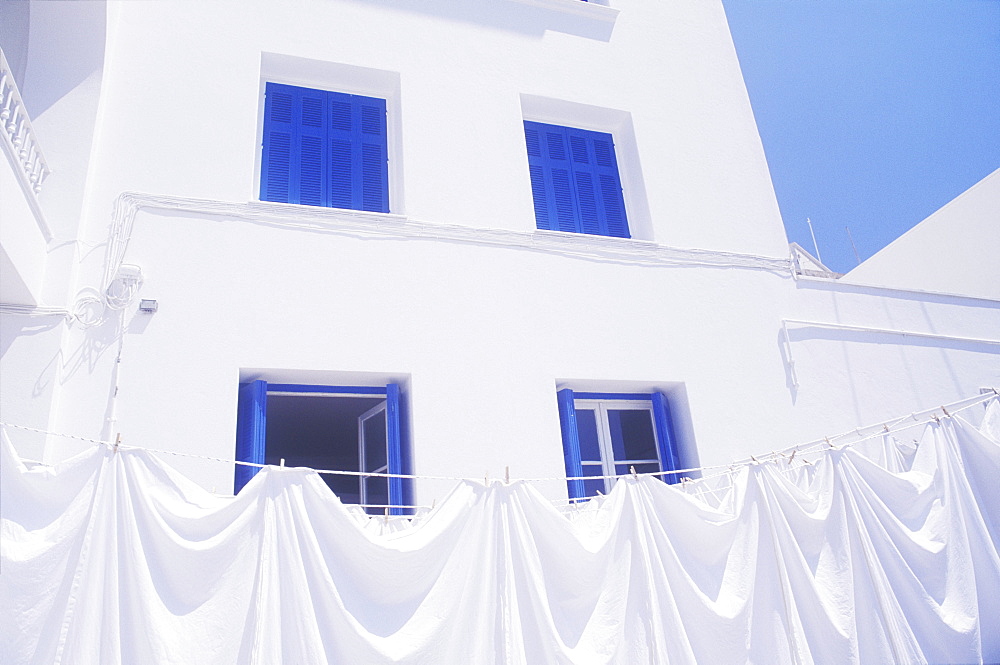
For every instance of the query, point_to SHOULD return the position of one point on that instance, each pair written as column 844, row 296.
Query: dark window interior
column 320, row 432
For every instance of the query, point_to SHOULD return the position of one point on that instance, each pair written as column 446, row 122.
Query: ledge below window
column 593, row 10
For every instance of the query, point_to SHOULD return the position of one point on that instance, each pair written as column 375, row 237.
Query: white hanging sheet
column 881, row 554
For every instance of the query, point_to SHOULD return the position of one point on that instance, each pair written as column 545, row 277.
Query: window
column 324, row 148
column 574, row 180
column 346, row 428
column 606, row 434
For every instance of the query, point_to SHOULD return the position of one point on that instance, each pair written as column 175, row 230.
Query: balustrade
column 16, row 129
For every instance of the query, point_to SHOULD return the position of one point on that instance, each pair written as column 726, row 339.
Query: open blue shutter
column 571, row 442
column 394, row 456
column 665, row 437
column 251, row 427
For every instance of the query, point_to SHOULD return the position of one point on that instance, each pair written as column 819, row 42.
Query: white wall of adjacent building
column 954, row 250
column 454, row 294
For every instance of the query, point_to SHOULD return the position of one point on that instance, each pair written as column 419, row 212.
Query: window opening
column 345, row 428
column 606, row 434
column 575, row 183
column 324, row 148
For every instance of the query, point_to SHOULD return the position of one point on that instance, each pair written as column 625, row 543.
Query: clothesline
column 811, row 447
column 128, row 562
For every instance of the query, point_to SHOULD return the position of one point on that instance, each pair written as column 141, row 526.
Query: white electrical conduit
column 867, row 329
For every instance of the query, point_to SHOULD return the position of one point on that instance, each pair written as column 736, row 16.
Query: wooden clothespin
column 506, row 475
column 885, row 427
column 792, row 456
column 935, row 418
column 947, row 415
column 631, row 469
column 118, row 440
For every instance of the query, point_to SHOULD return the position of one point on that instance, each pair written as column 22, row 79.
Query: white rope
column 880, row 429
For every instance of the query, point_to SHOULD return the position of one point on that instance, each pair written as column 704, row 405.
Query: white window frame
column 346, row 79
column 608, row 461
column 608, row 121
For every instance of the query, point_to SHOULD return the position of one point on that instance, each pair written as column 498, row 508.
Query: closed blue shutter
column 395, row 459
column 252, row 425
column 575, row 183
column 571, row 442
column 308, row 153
column 279, row 132
column 374, row 162
column 324, row 148
column 665, row 437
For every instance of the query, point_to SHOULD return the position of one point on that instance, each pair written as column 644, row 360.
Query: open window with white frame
column 608, row 434
column 345, row 428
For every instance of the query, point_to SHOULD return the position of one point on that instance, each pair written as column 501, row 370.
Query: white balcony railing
column 16, row 129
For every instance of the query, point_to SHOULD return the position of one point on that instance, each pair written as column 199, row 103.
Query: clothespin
column 506, row 475
column 792, row 456
column 827, row 439
column 433, row 502
column 885, row 427
column 947, row 415
column 387, row 514
column 282, row 462
column 118, row 440
column 631, row 469
column 934, row 416
column 754, row 459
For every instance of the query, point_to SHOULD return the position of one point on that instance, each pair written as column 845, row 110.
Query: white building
column 436, row 276
column 457, row 239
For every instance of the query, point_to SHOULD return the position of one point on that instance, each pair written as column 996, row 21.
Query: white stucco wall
column 455, row 294
column 481, row 335
column 955, row 250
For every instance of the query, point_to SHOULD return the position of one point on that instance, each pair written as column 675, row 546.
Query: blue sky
column 873, row 113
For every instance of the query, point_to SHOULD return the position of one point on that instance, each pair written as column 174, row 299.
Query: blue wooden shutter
column 374, row 181
column 324, row 148
column 279, row 133
column 307, row 151
column 665, row 437
column 571, row 442
column 575, row 183
column 395, row 454
column 251, row 425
